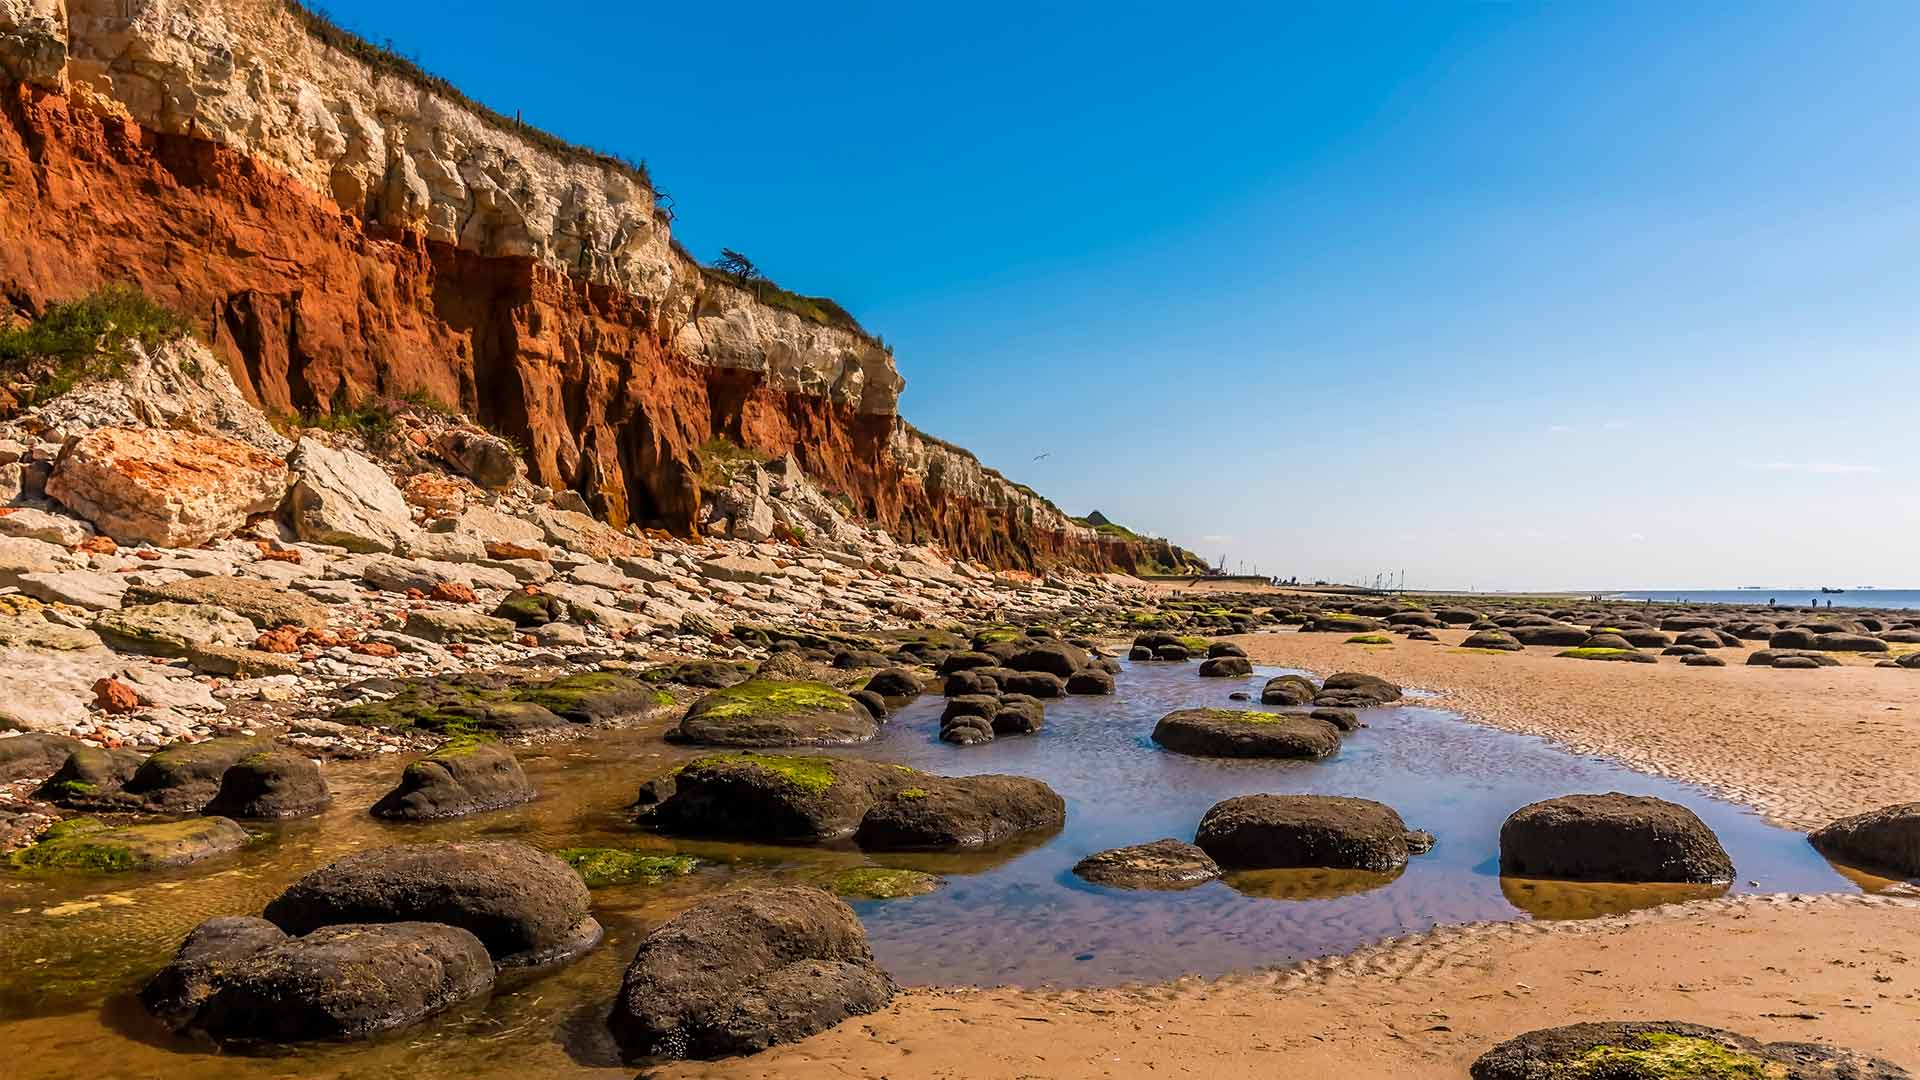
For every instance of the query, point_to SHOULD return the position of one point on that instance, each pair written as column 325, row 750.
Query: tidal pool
column 74, row 948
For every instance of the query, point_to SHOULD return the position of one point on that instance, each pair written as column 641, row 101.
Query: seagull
column 1048, row 454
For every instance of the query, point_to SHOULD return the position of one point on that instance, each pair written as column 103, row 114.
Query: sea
column 1786, row 597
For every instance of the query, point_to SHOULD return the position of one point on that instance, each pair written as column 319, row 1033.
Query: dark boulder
column 1606, row 641
column 962, row 683
column 184, row 777
column 531, row 609
column 961, row 812
column 1344, row 719
column 895, row 683
column 1139, row 652
column 274, row 784
column 1288, row 690
column 1773, row 657
column 1661, row 1049
column 980, row 705
column 1226, row 667
column 743, row 971
column 211, row 949
column 1174, row 653
column 1035, row 684
column 967, row 730
column 1885, row 839
column 1244, row 734
column 526, row 906
column 1492, row 639
column 1351, row 690
column 466, row 775
column 1018, row 714
column 1797, row 663
column 590, row 697
column 1703, row 660
column 35, row 755
column 1555, row 635
column 1224, row 648
column 90, row 774
column 344, row 982
column 1457, row 616
column 1162, row 864
column 88, row 845
column 1643, row 637
column 1056, row 657
column 967, row 661
column 1611, row 837
column 1090, row 681
column 875, row 705
column 851, row 659
column 764, row 714
column 1262, row 832
column 774, row 796
column 1701, row 639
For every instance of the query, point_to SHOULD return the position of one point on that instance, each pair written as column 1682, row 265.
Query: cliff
column 342, row 225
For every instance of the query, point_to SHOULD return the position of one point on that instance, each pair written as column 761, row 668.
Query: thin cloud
column 1218, row 539
column 1560, row 428
column 1820, row 468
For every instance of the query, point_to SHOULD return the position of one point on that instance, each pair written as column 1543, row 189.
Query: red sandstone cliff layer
column 311, row 307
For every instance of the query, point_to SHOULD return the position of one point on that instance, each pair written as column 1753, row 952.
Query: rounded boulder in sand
column 1884, row 839
column 1612, row 837
column 1273, row 832
column 526, row 906
column 742, row 971
column 1657, row 1049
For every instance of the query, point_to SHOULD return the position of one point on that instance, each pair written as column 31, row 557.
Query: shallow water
column 72, row 949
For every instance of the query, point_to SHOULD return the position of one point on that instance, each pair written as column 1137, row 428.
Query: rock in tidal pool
column 1162, row 864
column 271, row 784
column 1288, row 690
column 1226, row 667
column 742, row 971
column 882, row 883
column 234, row 983
column 1267, row 832
column 526, row 906
column 1246, row 734
column 1612, row 837
column 89, row 845
column 1662, row 1049
column 90, row 774
column 468, row 774
column 760, row 713
column 1885, row 839
column 184, row 777
column 34, row 755
column 883, row 806
column 895, row 683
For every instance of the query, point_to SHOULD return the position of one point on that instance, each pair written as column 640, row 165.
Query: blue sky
column 1506, row 296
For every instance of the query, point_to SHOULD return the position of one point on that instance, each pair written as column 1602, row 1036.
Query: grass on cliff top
column 386, row 61
column 815, row 309
column 85, row 339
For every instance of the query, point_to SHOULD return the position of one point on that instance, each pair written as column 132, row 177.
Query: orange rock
column 528, row 640
column 452, row 592
column 284, row 640
column 114, row 697
column 501, row 549
column 374, row 648
column 98, row 545
column 435, row 493
column 163, row 487
column 147, row 554
column 274, row 553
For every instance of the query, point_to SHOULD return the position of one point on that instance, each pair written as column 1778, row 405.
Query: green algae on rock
column 1603, row 653
column 600, row 867
column 882, row 883
column 765, row 713
column 91, row 845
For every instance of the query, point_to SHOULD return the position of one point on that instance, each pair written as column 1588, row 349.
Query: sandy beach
column 1842, row 970
column 1805, row 747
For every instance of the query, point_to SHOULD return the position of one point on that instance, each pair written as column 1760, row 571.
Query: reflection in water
column 1586, row 899
column 1314, row 884
column 73, row 948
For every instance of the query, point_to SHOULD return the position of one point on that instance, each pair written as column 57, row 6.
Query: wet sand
column 1804, row 747
column 1838, row 969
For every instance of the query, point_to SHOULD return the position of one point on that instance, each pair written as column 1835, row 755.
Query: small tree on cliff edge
column 739, row 266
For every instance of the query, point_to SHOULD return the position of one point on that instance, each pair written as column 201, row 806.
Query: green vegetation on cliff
column 84, row 339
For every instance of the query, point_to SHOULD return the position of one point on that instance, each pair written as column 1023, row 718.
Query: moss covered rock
column 87, row 844
column 597, row 697
column 1246, row 734
column 271, row 784
column 468, row 774
column 184, row 777
column 761, row 713
column 882, row 883
column 1669, row 1050
column 600, row 867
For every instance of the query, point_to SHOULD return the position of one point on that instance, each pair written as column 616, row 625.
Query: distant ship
column 1824, row 589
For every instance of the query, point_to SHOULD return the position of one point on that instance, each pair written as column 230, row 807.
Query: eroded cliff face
column 343, row 228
